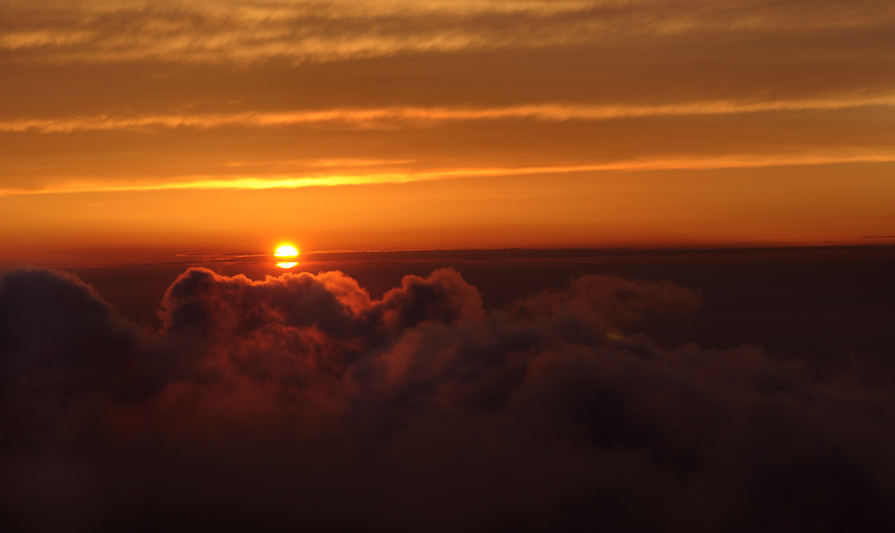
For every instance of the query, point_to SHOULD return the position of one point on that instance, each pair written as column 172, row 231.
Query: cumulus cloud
column 299, row 401
column 57, row 330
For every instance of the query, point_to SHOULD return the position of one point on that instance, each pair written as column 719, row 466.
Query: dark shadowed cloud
column 300, row 402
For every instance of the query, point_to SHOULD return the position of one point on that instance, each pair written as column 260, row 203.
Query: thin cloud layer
column 384, row 117
column 246, row 32
column 310, row 176
column 300, row 402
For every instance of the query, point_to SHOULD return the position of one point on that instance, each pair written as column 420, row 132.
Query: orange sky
column 130, row 130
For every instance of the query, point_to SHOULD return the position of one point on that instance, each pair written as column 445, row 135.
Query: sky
column 133, row 130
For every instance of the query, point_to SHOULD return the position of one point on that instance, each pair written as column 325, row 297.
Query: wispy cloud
column 544, row 112
column 372, row 178
column 205, row 31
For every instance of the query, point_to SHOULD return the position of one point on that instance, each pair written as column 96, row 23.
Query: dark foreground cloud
column 299, row 402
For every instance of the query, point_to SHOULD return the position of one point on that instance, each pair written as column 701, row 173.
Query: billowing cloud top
column 300, row 402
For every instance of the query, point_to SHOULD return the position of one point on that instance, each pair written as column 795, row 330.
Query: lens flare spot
column 286, row 251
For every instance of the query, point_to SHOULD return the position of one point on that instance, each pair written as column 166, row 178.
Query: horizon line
column 479, row 254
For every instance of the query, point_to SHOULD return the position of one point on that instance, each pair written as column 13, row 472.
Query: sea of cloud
column 299, row 401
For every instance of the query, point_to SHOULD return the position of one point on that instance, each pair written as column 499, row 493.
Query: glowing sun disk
column 286, row 251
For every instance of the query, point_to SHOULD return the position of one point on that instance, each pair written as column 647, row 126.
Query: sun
column 286, row 251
